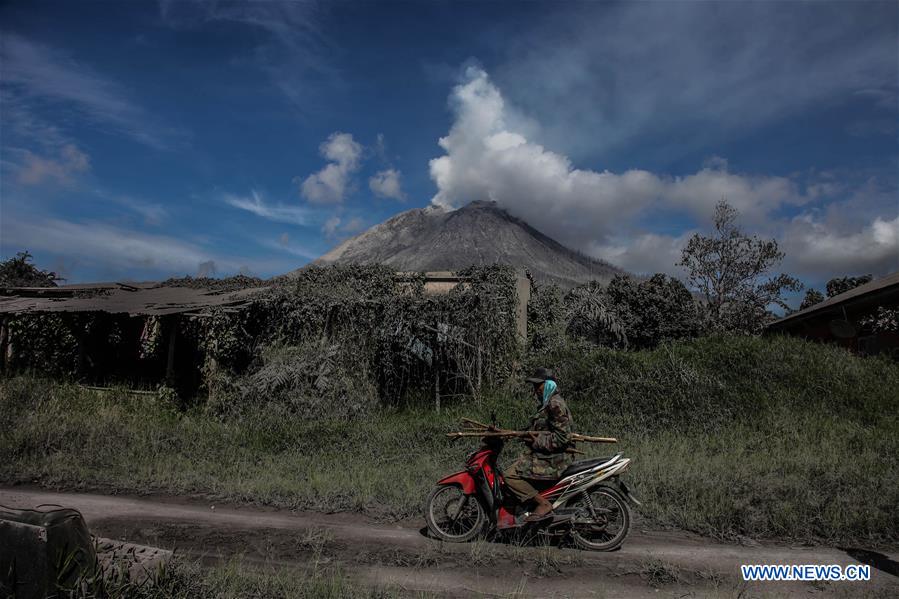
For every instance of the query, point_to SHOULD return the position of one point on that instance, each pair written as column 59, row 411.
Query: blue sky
column 144, row 140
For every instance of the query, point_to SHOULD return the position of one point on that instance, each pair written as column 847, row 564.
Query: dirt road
column 650, row 564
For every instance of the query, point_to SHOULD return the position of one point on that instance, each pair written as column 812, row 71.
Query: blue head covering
column 549, row 387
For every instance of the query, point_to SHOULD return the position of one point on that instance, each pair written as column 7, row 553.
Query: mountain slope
column 480, row 233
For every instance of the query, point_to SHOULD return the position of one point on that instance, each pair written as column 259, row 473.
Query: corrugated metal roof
column 875, row 286
column 148, row 299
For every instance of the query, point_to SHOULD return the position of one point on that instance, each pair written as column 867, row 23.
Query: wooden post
column 170, row 362
column 212, row 369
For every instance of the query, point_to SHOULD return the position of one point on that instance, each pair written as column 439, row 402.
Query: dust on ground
column 651, row 563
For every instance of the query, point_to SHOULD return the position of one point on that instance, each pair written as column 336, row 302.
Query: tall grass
column 730, row 436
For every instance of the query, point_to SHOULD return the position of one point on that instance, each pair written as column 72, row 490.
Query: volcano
column 437, row 239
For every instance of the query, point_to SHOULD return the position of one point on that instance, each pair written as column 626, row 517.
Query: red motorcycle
column 590, row 502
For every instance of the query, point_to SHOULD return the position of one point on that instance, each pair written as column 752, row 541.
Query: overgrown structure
column 346, row 335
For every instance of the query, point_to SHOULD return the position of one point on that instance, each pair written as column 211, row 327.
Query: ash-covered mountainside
column 480, row 233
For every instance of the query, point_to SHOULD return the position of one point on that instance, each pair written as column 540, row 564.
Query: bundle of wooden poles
column 473, row 428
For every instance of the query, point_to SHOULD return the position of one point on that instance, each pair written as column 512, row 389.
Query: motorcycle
column 590, row 502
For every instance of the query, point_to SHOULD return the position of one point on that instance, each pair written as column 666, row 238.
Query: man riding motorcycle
column 548, row 456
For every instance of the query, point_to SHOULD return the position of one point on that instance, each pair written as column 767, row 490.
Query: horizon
column 148, row 140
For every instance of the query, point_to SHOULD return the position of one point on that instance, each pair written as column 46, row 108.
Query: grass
column 764, row 438
column 184, row 579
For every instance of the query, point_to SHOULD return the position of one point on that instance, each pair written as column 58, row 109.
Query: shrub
column 306, row 379
column 657, row 309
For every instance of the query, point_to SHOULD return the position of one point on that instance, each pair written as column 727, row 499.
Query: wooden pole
column 213, row 368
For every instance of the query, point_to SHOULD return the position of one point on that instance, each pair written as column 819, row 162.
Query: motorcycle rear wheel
column 609, row 526
column 454, row 516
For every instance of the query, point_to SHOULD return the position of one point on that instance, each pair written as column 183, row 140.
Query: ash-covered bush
column 394, row 341
column 312, row 379
column 655, row 310
column 44, row 344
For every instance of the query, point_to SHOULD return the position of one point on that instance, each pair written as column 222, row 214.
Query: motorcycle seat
column 583, row 465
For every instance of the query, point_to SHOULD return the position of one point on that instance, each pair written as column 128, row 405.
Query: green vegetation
column 355, row 329
column 20, row 272
column 729, row 436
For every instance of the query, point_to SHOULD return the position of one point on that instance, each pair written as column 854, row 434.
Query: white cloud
column 70, row 162
column 487, row 161
column 338, row 227
column 488, row 156
column 294, row 215
column 644, row 253
column 814, row 247
column 754, row 196
column 32, row 70
column 284, row 245
column 330, row 226
column 386, row 184
column 100, row 244
column 330, row 185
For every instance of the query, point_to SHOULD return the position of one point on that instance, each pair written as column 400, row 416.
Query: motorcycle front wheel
column 454, row 516
column 602, row 520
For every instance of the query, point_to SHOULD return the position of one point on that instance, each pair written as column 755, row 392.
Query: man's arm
column 558, row 437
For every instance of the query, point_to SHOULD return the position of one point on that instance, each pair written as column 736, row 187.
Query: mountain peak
column 481, row 232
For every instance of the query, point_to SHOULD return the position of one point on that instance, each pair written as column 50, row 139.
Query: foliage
column 728, row 435
column 655, row 310
column 397, row 341
column 812, row 297
column 301, row 380
column 45, row 343
column 400, row 339
column 882, row 320
column 730, row 268
column 546, row 317
column 20, row 272
column 584, row 313
column 589, row 316
column 839, row 285
column 221, row 285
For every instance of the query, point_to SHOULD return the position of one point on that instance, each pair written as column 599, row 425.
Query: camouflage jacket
column 547, row 458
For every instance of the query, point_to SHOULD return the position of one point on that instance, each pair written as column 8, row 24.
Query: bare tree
column 730, row 269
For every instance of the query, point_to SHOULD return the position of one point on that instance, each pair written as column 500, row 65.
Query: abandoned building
column 147, row 334
column 140, row 315
column 841, row 319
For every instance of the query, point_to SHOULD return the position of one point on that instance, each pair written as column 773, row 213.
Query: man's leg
column 525, row 491
column 521, row 488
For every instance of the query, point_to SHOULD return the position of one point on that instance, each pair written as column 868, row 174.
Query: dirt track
column 650, row 564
